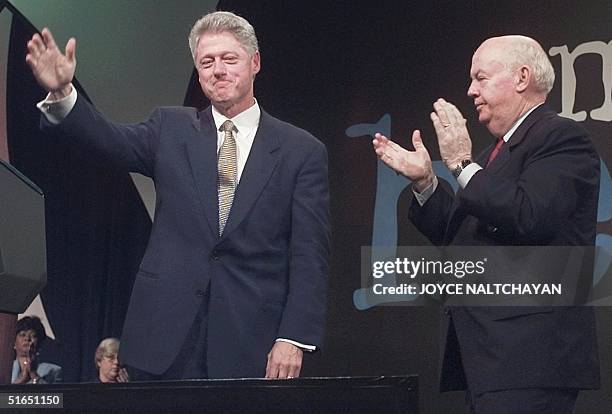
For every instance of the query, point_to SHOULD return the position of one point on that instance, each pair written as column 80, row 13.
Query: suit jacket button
column 199, row 293
column 214, row 255
column 492, row 228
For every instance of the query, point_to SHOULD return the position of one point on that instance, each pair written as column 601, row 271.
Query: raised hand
column 27, row 367
column 453, row 137
column 122, row 375
column 416, row 165
column 52, row 69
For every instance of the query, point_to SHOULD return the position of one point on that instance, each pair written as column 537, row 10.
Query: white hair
column 522, row 50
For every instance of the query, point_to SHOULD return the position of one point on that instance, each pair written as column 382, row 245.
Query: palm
column 415, row 165
column 52, row 69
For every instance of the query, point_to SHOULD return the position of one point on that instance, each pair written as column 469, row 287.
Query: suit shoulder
column 178, row 109
column 553, row 121
column 555, row 131
column 176, row 112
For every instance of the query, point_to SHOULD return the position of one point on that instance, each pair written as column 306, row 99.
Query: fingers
column 36, row 45
column 71, row 50
column 35, row 48
column 438, row 125
column 48, row 38
column 417, row 141
column 283, row 371
column 271, row 370
column 294, row 372
column 447, row 113
column 441, row 110
column 123, row 376
column 454, row 116
column 380, row 142
column 284, row 361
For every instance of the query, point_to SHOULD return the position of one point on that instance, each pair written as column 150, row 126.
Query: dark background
column 326, row 66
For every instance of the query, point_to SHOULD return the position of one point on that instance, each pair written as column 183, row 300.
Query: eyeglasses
column 110, row 357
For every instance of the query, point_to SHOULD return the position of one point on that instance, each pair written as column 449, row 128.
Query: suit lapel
column 202, row 154
column 504, row 154
column 261, row 162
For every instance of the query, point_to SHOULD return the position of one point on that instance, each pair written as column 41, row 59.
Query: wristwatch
column 459, row 168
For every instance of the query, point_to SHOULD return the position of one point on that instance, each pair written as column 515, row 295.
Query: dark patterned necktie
column 227, row 173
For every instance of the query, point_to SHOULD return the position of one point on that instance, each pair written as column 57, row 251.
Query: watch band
column 459, row 168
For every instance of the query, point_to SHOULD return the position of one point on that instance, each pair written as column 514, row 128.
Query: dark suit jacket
column 267, row 274
column 541, row 190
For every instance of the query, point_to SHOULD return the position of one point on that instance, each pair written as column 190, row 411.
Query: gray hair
column 523, row 50
column 223, row 21
column 107, row 346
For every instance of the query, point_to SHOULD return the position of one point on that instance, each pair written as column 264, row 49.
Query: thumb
column 71, row 49
column 417, row 141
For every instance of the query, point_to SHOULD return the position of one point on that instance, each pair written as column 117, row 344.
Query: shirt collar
column 519, row 122
column 245, row 120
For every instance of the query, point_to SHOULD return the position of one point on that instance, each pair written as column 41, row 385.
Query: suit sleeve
column 129, row 147
column 431, row 218
column 562, row 169
column 303, row 318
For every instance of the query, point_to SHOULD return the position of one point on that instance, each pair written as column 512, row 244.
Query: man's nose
column 219, row 68
column 472, row 91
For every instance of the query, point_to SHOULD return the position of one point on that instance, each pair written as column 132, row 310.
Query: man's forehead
column 211, row 39
column 488, row 56
column 217, row 43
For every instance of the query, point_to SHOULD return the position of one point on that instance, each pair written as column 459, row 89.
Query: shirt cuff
column 57, row 111
column 304, row 347
column 467, row 174
column 423, row 196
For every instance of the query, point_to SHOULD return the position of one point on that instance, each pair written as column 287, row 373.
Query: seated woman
column 107, row 362
column 30, row 335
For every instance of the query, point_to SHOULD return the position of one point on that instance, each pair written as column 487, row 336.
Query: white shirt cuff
column 304, row 347
column 467, row 174
column 57, row 111
column 423, row 196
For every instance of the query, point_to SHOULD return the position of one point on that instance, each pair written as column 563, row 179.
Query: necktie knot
column 227, row 126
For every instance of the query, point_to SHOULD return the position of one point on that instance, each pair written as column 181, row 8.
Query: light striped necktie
column 227, row 173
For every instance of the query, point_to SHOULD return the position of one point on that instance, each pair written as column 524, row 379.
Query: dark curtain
column 97, row 225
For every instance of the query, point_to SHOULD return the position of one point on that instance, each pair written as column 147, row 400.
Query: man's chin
column 484, row 119
column 221, row 102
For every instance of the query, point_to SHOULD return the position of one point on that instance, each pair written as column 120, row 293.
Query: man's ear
column 256, row 63
column 524, row 78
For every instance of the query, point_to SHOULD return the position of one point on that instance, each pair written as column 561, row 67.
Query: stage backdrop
column 343, row 70
column 346, row 69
